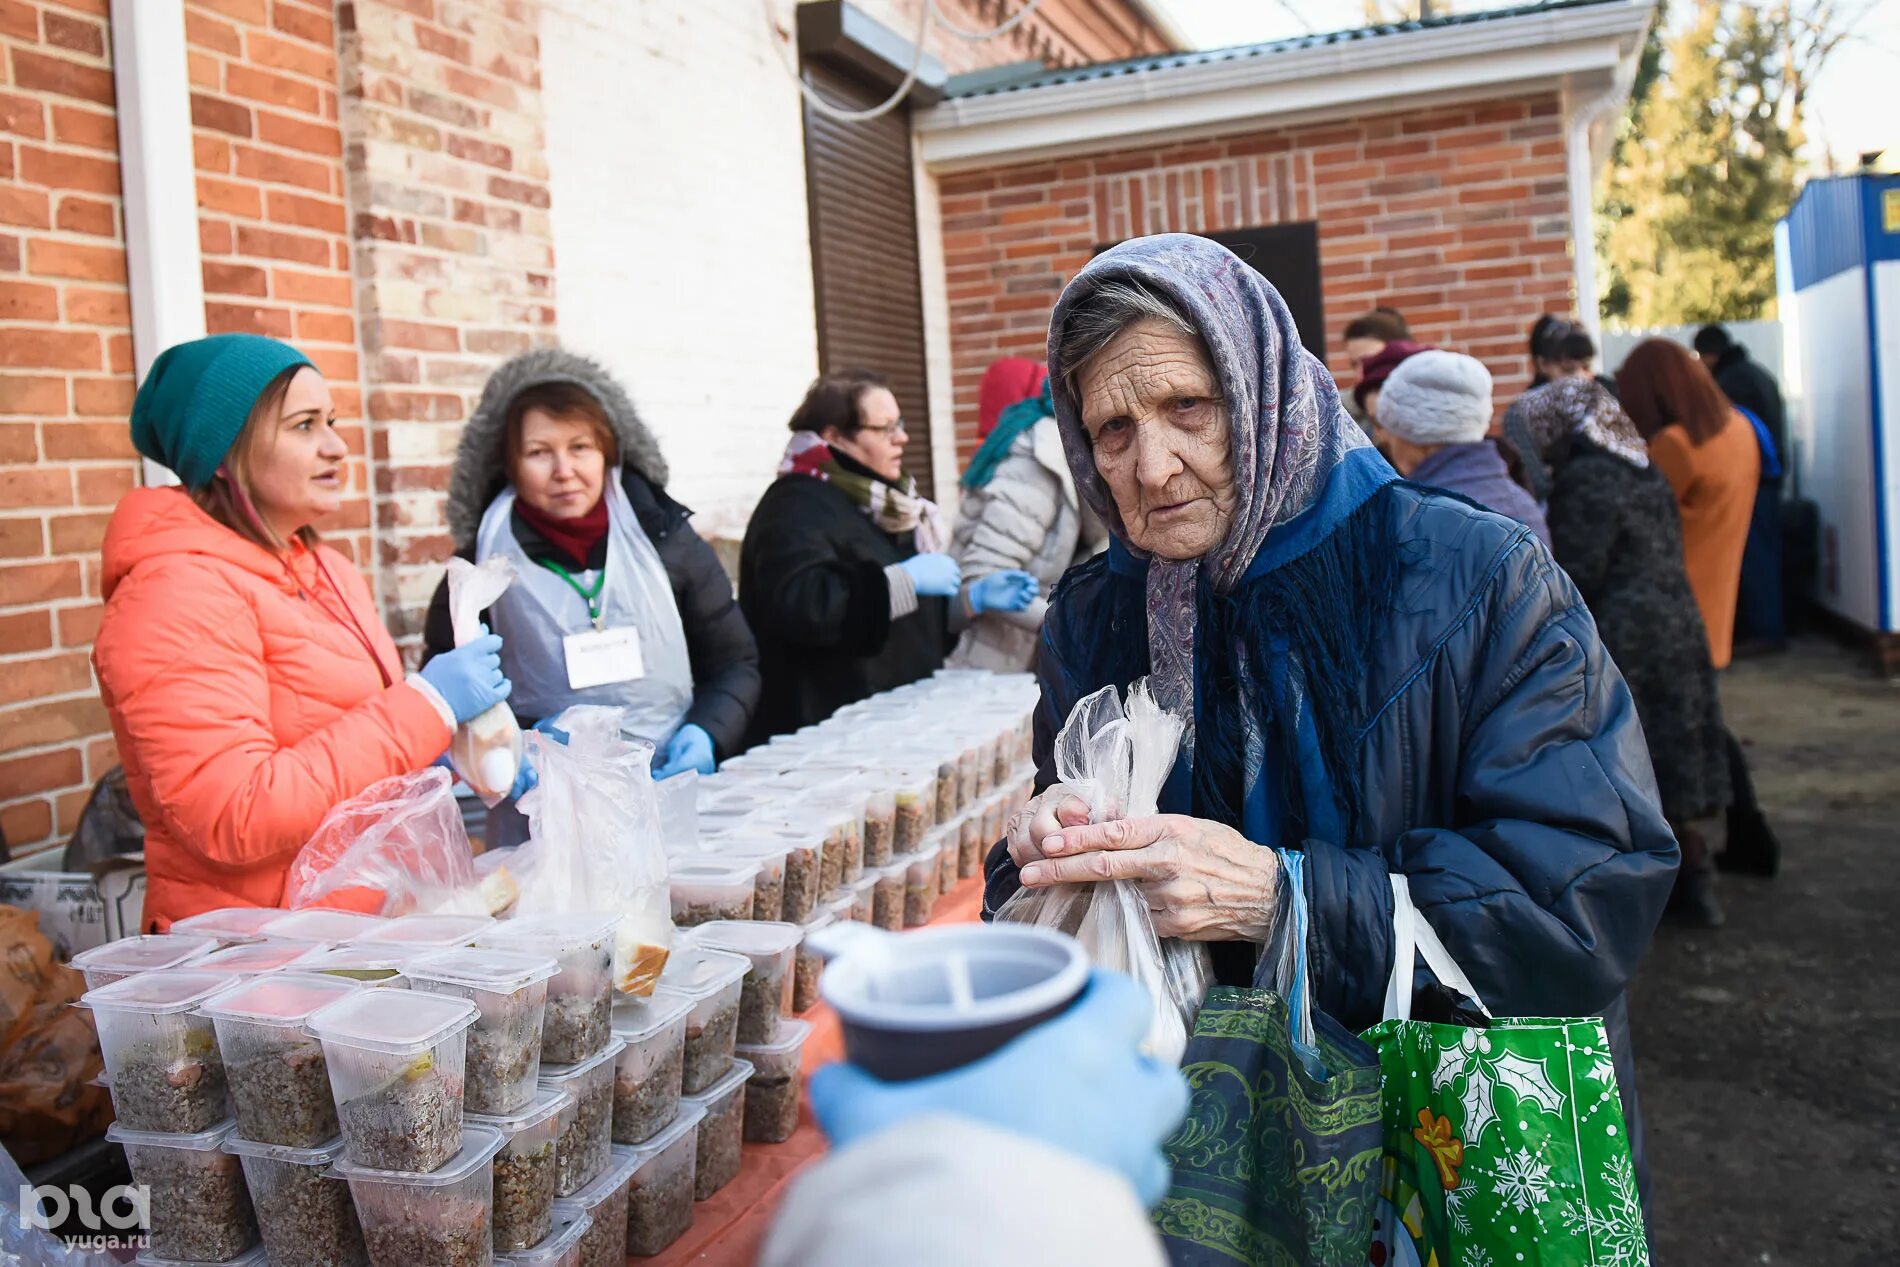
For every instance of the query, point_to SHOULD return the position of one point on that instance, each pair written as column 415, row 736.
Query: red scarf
column 575, row 538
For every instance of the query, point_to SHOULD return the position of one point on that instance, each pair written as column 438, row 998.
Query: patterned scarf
column 894, row 508
column 1289, row 431
column 1583, row 407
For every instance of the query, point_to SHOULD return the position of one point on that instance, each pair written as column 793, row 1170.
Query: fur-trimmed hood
column 478, row 476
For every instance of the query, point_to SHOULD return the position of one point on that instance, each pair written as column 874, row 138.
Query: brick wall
column 1458, row 217
column 454, row 258
column 1058, row 33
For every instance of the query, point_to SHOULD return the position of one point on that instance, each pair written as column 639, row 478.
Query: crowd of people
column 1476, row 657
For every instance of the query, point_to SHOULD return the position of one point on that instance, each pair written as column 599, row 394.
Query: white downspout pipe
column 159, row 176
column 1578, row 153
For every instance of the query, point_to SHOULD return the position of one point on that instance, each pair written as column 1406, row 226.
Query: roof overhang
column 1580, row 49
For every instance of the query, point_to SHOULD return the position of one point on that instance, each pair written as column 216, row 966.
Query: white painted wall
column 682, row 249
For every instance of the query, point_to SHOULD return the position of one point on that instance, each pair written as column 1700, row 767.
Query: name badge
column 601, row 657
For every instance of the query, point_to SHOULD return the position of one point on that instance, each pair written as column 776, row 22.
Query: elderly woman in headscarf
column 1615, row 529
column 1386, row 681
column 1019, row 513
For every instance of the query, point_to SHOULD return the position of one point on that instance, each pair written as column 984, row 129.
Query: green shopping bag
column 1504, row 1145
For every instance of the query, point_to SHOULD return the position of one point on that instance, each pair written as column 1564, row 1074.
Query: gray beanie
column 1437, row 397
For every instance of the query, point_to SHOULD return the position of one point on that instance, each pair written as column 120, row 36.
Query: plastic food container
column 771, row 1096
column 647, row 1071
column 804, row 855
column 440, row 1218
column 252, row 1257
column 887, row 895
column 605, row 1201
column 944, row 841
column 768, row 886
column 397, row 1059
column 967, row 765
column 705, row 891
column 280, row 1083
column 923, row 878
column 232, row 925
column 417, row 933
column 880, row 819
column 807, row 966
column 863, row 900
column 504, row 1044
column 580, row 995
column 524, row 1168
column 711, row 980
column 253, row 958
column 129, row 956
column 200, row 1210
column 915, row 809
column 721, row 1130
column 369, row 965
column 947, row 786
column 306, row 1217
column 660, row 1195
column 585, row 1130
column 317, row 923
column 766, row 993
column 561, row 1247
column 160, row 1054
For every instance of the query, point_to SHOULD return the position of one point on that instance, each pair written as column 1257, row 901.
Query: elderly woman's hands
column 1203, row 881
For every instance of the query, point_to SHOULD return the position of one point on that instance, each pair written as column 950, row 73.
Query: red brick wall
column 1458, row 217
column 65, row 385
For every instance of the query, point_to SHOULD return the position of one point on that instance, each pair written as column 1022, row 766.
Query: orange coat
column 1715, row 485
column 244, row 702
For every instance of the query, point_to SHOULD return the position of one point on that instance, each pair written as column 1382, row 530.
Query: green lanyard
column 589, row 596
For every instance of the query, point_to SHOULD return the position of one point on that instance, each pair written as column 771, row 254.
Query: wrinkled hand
column 1078, row 1083
column 690, row 748
column 1004, row 592
column 1203, row 881
column 1047, row 813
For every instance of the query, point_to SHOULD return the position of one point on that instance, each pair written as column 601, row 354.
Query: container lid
column 157, row 993
column 791, row 1036
column 819, row 919
column 144, row 954
column 561, row 1075
column 685, row 1120
column 286, row 998
column 714, row 874
column 393, row 1020
column 252, row 1257
column 423, row 931
column 635, row 1025
column 320, row 1156
column 550, row 932
column 626, row 1160
column 260, row 956
column 749, row 848
column 317, row 923
column 546, row 1103
column 479, row 1146
column 755, row 937
column 478, row 967
column 947, row 977
column 230, row 923
column 198, row 1142
column 569, row 1226
column 698, row 971
column 358, row 963
column 735, row 1078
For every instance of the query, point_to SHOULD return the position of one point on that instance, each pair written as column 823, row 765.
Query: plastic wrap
column 1115, row 760
column 397, row 848
column 487, row 749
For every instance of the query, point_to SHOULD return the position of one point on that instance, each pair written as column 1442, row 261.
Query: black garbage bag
column 108, row 827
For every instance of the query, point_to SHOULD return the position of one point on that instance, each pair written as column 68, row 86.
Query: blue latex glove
column 1004, row 592
column 1078, row 1083
column 690, row 748
column 935, row 575
column 526, row 780
column 469, row 677
column 547, row 727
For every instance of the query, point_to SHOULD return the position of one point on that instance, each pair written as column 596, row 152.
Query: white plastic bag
column 486, row 750
column 594, row 840
column 1115, row 761
column 401, row 839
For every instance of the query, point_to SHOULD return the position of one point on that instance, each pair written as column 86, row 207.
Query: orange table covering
column 728, row 1229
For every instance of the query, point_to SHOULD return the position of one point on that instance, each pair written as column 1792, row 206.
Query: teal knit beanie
column 195, row 400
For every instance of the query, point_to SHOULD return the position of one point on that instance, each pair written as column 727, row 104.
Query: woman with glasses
column 843, row 574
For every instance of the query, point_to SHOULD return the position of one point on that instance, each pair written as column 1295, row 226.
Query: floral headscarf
column 1584, row 407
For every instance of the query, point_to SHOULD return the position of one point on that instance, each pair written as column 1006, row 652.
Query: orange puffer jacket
column 248, row 696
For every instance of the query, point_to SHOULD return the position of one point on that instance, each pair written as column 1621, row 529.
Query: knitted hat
column 1380, row 364
column 1437, row 398
column 197, row 396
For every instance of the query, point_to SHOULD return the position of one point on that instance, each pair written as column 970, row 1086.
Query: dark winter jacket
column 811, row 581
column 725, row 658
column 1748, row 385
column 1478, row 471
column 1502, row 770
column 1616, row 531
